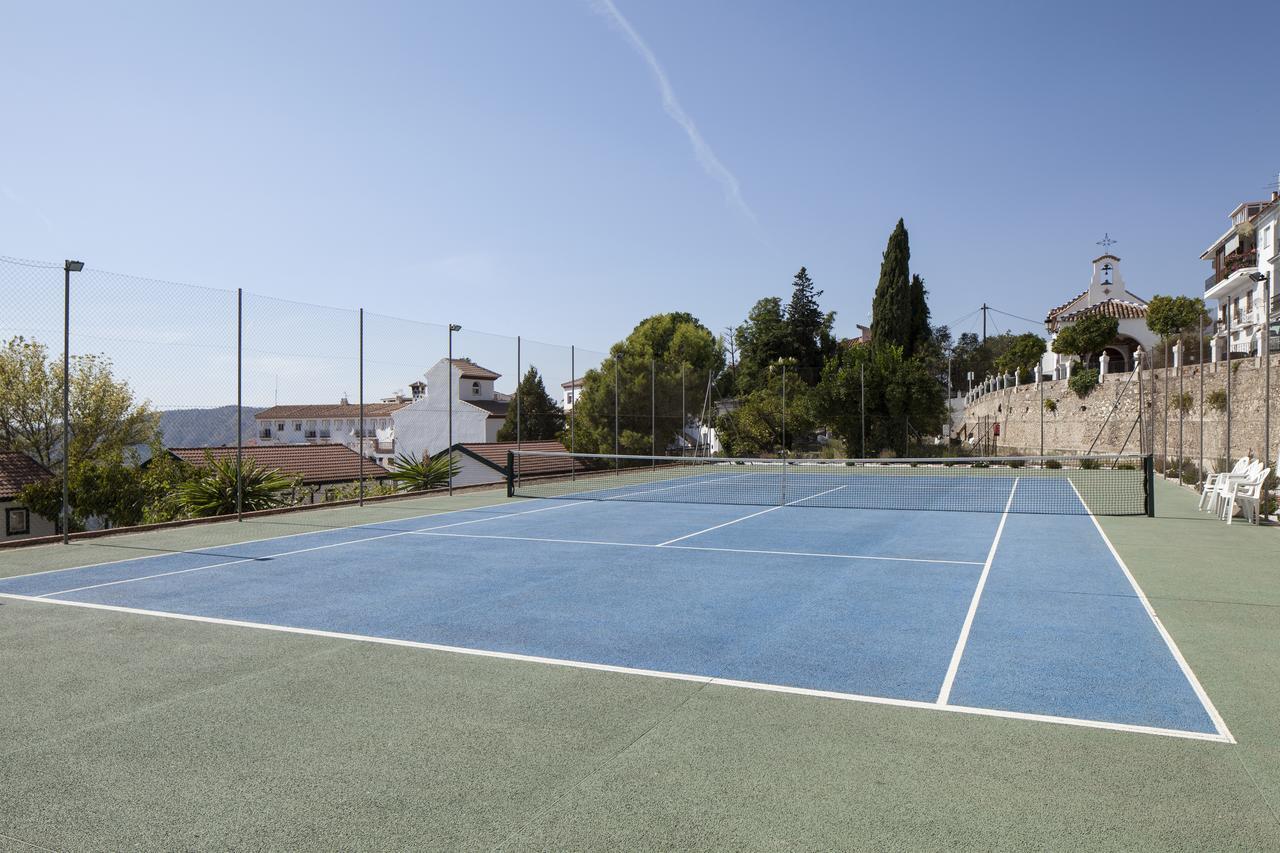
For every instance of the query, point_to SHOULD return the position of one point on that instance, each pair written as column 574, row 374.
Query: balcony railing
column 309, row 434
column 1230, row 265
column 266, row 433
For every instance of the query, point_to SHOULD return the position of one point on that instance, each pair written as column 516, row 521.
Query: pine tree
column 891, row 307
column 805, row 325
column 920, row 331
column 541, row 418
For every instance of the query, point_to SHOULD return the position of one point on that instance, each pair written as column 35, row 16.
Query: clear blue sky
column 511, row 166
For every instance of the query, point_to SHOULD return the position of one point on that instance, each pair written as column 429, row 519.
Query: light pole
column 453, row 327
column 68, row 268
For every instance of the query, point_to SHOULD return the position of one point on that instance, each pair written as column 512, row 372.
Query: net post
column 1149, row 484
column 511, row 474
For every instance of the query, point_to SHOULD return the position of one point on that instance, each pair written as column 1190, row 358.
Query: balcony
column 264, row 434
column 1235, row 272
column 309, row 435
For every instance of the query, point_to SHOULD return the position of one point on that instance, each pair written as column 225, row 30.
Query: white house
column 16, row 471
column 417, row 424
column 1108, row 296
column 1245, row 259
column 570, row 391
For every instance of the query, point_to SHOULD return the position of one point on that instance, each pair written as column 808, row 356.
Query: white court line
column 676, row 676
column 745, row 517
column 264, row 557
column 1200, row 692
column 945, row 693
column 372, row 525
column 432, row 532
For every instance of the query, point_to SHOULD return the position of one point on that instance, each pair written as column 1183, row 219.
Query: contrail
column 706, row 157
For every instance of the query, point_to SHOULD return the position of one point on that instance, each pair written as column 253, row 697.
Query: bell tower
column 1107, row 282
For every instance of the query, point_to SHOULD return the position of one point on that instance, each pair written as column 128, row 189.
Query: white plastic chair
column 1208, row 491
column 1227, row 483
column 1247, row 493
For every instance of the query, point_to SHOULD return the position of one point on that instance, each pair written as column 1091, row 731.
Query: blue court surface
column 1028, row 616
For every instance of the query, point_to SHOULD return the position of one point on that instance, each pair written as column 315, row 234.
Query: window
column 297, row 426
column 17, row 521
column 569, row 397
column 279, row 427
column 475, row 389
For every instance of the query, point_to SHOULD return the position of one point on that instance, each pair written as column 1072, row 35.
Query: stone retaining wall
column 1077, row 424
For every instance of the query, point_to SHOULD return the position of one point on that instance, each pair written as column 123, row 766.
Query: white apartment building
column 417, row 424
column 1245, row 260
column 570, row 391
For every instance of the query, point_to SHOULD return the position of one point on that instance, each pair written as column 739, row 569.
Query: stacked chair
column 1242, row 486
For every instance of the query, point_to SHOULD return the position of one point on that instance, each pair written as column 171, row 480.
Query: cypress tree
column 920, row 331
column 891, row 306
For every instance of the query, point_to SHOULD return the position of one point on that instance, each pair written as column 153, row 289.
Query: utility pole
column 985, row 309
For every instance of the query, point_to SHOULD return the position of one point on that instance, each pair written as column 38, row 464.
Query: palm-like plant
column 214, row 491
column 412, row 474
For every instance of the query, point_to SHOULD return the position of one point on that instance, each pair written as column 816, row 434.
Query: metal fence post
column 1200, row 442
column 453, row 389
column 862, row 406
column 653, row 407
column 1182, row 460
column 617, row 467
column 1229, row 366
column 239, row 404
column 360, row 435
column 573, row 392
column 518, row 378
column 1040, row 391
column 1164, row 463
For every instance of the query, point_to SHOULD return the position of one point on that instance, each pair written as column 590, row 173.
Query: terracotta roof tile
column 470, row 370
column 495, row 408
column 18, row 470
column 1118, row 308
column 1054, row 312
column 494, row 454
column 330, row 410
column 315, row 463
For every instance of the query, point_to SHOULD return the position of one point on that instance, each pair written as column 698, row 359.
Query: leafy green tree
column 411, row 474
column 891, row 307
column 1181, row 317
column 213, row 491
column 903, row 397
column 105, row 419
column 755, row 425
column 664, row 355
column 541, row 418
column 762, row 340
column 1023, row 355
column 1086, row 337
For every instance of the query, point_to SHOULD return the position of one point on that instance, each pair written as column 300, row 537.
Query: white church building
column 417, row 424
column 1106, row 296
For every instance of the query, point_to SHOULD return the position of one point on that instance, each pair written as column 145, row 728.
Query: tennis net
column 1070, row 485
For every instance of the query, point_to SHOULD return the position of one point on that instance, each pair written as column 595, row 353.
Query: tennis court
column 1023, row 611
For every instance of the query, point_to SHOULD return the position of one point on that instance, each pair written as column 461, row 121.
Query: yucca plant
column 213, row 492
column 412, row 474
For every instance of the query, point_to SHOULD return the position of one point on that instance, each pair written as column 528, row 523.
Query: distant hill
column 206, row 427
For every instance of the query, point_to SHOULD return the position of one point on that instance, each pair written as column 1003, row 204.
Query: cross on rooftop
column 1106, row 242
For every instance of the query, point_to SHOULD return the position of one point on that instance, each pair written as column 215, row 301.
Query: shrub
column 980, row 465
column 1016, row 463
column 1052, row 464
column 1182, row 402
column 213, row 492
column 411, row 474
column 1090, row 464
column 1217, row 400
column 1051, row 405
column 1082, row 382
column 1125, row 466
